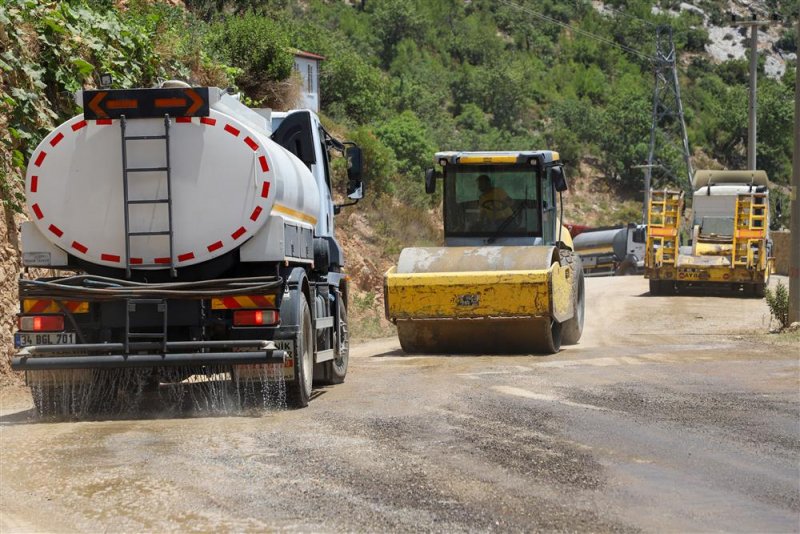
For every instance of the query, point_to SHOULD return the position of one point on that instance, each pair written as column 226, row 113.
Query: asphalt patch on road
column 447, row 469
column 743, row 416
column 525, row 439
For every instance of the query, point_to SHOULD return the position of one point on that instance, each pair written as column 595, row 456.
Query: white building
column 307, row 64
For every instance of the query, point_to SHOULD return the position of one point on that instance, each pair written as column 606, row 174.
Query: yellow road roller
column 507, row 279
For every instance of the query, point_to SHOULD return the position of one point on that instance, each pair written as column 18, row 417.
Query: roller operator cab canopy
column 507, row 280
column 493, row 198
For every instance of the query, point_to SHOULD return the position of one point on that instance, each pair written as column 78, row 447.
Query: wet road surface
column 671, row 414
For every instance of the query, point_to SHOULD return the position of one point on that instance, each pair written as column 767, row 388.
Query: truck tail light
column 255, row 317
column 41, row 323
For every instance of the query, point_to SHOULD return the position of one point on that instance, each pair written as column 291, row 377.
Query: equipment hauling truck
column 729, row 247
column 610, row 251
column 202, row 233
column 507, row 280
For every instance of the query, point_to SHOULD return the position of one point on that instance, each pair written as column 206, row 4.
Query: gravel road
column 672, row 414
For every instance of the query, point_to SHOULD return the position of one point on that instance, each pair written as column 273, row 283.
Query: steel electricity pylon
column 667, row 111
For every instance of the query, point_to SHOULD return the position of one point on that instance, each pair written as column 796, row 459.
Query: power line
column 585, row 33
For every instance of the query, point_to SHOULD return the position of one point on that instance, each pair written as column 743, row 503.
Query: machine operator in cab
column 494, row 203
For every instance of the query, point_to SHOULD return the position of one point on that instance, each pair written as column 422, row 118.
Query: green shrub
column 49, row 50
column 407, row 135
column 778, row 303
column 351, row 88
column 260, row 48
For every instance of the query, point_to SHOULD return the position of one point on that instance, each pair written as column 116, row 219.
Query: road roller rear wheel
column 552, row 339
column 573, row 328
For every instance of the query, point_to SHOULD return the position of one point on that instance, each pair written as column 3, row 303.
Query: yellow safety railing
column 663, row 221
column 750, row 230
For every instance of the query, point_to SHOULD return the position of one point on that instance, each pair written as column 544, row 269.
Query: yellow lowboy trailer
column 507, row 281
column 729, row 245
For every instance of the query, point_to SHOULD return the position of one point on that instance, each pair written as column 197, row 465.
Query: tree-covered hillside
column 407, row 77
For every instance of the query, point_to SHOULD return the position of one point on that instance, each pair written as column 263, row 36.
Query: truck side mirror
column 559, row 180
column 430, row 180
column 355, row 185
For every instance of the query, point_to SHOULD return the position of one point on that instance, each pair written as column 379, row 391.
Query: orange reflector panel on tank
column 255, row 317
column 41, row 323
column 243, row 302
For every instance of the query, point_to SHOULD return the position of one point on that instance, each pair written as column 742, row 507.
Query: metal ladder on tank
column 664, row 215
column 749, row 229
column 128, row 202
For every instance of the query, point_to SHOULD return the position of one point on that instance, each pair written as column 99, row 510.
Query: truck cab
column 301, row 132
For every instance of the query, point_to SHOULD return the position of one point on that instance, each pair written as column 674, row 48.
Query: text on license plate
column 25, row 339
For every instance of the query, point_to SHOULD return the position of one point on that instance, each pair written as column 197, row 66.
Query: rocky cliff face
column 9, row 305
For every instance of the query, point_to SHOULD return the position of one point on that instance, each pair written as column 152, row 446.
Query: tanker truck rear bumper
column 70, row 324
column 111, row 355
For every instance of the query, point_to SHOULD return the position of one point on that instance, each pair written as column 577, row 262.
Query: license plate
column 250, row 371
column 682, row 275
column 26, row 339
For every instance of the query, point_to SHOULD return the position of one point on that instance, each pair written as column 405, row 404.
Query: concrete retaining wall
column 781, row 250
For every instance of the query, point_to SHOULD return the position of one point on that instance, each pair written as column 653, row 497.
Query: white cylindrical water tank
column 226, row 178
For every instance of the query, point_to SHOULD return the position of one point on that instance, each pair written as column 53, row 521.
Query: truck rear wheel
column 758, row 290
column 298, row 391
column 334, row 371
column 655, row 287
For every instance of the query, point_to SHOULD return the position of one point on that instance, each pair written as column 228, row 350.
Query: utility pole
column 753, row 105
column 666, row 105
column 794, row 224
column 645, row 204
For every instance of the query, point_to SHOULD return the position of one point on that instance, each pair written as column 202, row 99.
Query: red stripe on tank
column 238, row 233
column 252, row 144
column 57, row 139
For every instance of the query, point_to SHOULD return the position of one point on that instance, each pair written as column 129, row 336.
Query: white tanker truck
column 612, row 251
column 199, row 234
